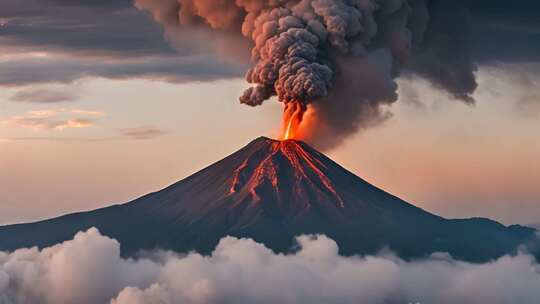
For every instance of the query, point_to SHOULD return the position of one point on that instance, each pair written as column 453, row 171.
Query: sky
column 100, row 105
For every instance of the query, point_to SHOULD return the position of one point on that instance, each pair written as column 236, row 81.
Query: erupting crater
column 288, row 172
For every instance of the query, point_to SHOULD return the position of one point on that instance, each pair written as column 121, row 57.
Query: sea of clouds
column 89, row 269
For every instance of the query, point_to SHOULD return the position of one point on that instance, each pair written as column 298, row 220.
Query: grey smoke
column 298, row 50
column 89, row 270
column 444, row 57
column 297, row 47
column 323, row 54
column 442, row 41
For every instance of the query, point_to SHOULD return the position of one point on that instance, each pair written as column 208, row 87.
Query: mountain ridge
column 271, row 191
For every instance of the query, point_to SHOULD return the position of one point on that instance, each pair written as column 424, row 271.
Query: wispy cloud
column 43, row 123
column 54, row 119
column 58, row 111
column 143, row 132
column 87, row 112
column 57, row 139
column 43, row 96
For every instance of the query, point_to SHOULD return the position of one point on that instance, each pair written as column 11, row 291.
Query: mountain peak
column 272, row 191
column 268, row 140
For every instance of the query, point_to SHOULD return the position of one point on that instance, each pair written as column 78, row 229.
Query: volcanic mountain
column 272, row 191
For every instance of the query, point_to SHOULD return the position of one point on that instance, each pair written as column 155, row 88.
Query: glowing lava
column 292, row 118
column 288, row 134
column 287, row 171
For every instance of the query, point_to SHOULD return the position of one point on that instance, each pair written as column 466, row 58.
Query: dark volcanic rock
column 272, row 191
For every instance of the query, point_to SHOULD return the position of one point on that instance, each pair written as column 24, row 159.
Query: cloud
column 64, row 41
column 43, row 96
column 144, row 132
column 58, row 111
column 82, row 26
column 54, row 119
column 297, row 47
column 54, row 68
column 89, row 269
column 464, row 36
column 84, row 112
column 40, row 123
column 113, row 39
column 57, row 139
column 518, row 83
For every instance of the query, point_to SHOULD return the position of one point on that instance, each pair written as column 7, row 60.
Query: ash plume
column 310, row 52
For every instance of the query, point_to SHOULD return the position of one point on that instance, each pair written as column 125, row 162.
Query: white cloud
column 89, row 269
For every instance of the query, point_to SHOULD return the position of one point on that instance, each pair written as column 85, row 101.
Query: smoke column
column 336, row 60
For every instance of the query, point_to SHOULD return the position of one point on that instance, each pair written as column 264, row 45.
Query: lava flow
column 292, row 118
column 286, row 171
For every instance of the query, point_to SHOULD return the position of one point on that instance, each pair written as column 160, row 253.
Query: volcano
column 272, row 191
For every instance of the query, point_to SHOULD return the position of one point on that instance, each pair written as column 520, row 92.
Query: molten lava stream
column 292, row 118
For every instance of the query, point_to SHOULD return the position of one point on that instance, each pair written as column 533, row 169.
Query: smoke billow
column 90, row 270
column 335, row 59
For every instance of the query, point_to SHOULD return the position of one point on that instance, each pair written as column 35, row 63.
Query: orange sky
column 452, row 159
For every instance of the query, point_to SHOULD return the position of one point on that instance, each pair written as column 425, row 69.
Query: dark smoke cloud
column 443, row 41
column 90, row 270
column 297, row 47
column 43, row 41
column 356, row 101
column 444, row 58
column 325, row 54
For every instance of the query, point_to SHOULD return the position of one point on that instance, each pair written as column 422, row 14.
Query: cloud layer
column 63, row 41
column 89, row 269
column 89, row 38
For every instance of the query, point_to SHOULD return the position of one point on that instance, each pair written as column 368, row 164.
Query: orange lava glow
column 286, row 160
column 292, row 118
column 288, row 133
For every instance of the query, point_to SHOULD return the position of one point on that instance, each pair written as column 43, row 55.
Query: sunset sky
column 98, row 106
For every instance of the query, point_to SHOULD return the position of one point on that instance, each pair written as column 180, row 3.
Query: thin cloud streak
column 40, row 120
column 43, row 96
column 42, row 123
column 143, row 132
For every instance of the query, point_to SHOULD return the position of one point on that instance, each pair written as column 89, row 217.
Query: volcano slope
column 272, row 191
